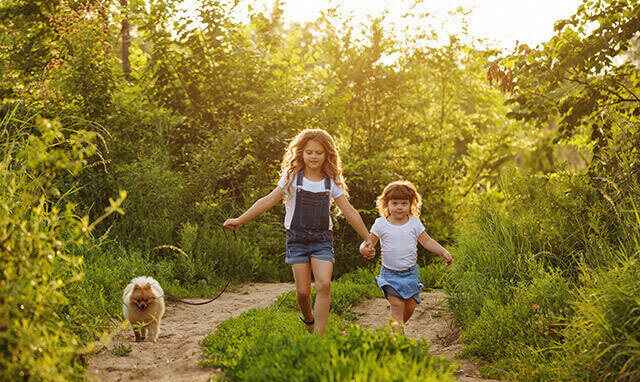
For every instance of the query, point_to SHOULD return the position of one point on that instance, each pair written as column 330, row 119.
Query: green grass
column 121, row 350
column 272, row 344
column 544, row 283
column 603, row 337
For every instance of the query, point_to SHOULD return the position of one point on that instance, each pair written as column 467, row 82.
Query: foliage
column 265, row 344
column 577, row 80
column 39, row 230
column 523, row 264
column 602, row 340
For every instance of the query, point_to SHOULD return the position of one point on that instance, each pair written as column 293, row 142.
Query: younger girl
column 399, row 230
column 311, row 180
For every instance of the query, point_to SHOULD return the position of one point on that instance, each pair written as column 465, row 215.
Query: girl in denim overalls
column 399, row 230
column 311, row 179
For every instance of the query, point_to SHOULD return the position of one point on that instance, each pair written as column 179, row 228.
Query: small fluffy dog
column 143, row 306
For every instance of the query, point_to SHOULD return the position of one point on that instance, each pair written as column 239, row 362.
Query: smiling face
column 313, row 155
column 398, row 200
column 399, row 209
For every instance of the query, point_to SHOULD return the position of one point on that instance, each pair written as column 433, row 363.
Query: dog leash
column 202, row 302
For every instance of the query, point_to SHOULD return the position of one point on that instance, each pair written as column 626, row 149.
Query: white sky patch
column 500, row 22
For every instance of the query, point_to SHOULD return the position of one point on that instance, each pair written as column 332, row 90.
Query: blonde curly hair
column 400, row 189
column 292, row 161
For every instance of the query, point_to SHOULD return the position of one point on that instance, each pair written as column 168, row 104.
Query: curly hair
column 292, row 161
column 400, row 189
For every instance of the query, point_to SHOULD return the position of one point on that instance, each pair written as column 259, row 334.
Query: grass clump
column 271, row 344
column 121, row 350
column 603, row 337
column 543, row 288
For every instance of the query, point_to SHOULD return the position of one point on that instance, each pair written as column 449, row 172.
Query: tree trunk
column 126, row 68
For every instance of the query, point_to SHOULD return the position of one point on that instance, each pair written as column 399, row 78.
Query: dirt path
column 175, row 356
column 432, row 321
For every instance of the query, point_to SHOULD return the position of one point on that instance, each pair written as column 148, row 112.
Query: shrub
column 534, row 317
column 523, row 257
column 603, row 338
column 38, row 228
column 153, row 209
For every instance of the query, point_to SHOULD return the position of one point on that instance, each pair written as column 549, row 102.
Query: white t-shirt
column 307, row 185
column 399, row 243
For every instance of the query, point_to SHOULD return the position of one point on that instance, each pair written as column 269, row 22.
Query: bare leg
column 409, row 307
column 322, row 271
column 302, row 277
column 397, row 312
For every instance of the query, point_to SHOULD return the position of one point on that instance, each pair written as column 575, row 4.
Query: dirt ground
column 175, row 356
column 432, row 321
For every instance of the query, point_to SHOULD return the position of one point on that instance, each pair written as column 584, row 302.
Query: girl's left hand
column 232, row 224
column 448, row 259
column 366, row 250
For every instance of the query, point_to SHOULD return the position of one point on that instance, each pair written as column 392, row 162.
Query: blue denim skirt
column 406, row 283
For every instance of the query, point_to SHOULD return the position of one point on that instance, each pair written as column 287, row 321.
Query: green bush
column 521, row 256
column 434, row 274
column 534, row 317
column 39, row 227
column 153, row 211
column 236, row 255
column 554, row 221
column 603, row 338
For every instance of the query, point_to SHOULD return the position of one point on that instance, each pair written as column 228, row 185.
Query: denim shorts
column 298, row 253
column 404, row 284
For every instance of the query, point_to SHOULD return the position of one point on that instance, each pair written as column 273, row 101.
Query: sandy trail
column 175, row 356
column 432, row 321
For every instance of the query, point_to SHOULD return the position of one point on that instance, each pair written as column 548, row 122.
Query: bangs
column 399, row 192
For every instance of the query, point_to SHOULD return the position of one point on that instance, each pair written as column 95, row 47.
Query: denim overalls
column 309, row 234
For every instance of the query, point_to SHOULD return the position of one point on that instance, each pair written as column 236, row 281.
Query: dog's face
column 142, row 296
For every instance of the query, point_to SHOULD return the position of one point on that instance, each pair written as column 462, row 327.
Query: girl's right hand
column 233, row 223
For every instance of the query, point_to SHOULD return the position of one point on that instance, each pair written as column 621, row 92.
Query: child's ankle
column 396, row 326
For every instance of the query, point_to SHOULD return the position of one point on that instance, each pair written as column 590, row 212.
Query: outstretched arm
column 433, row 246
column 260, row 206
column 352, row 216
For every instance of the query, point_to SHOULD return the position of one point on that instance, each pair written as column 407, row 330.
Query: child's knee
column 323, row 287
column 303, row 292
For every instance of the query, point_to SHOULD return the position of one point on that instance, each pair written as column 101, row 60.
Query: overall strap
column 327, row 184
column 299, row 178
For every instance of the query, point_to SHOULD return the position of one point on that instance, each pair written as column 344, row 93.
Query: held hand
column 233, row 223
column 448, row 259
column 367, row 250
